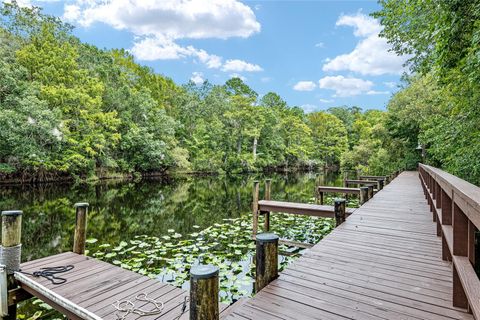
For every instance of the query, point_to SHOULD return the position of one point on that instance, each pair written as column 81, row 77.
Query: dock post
column 320, row 193
column 266, row 260
column 255, row 208
column 363, row 195
column 11, row 251
column 204, row 293
column 379, row 184
column 80, row 238
column 339, row 211
column 370, row 191
column 268, row 195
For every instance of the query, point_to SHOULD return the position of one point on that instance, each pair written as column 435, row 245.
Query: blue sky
column 315, row 54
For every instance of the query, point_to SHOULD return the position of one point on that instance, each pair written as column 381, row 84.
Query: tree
column 329, row 137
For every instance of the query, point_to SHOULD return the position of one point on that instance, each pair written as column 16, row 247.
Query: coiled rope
column 50, row 273
column 10, row 258
column 126, row 307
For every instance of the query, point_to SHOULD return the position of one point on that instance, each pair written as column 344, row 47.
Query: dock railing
column 455, row 206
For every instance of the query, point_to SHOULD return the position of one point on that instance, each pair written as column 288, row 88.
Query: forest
column 70, row 110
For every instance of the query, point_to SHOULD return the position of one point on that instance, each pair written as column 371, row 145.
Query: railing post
column 460, row 248
column 438, row 192
column 379, row 184
column 266, row 260
column 370, row 191
column 446, row 220
column 11, row 251
column 255, row 208
column 339, row 211
column 268, row 194
column 204, row 293
column 80, row 237
column 472, row 231
column 320, row 193
column 363, row 195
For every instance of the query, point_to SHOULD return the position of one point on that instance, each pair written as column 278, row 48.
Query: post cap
column 203, row 271
column 365, row 187
column 267, row 237
column 339, row 200
column 81, row 205
column 12, row 213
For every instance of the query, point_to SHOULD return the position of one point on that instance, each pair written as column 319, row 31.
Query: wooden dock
column 383, row 262
column 93, row 286
column 407, row 253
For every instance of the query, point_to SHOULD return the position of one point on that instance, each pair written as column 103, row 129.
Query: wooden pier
column 384, row 262
column 407, row 253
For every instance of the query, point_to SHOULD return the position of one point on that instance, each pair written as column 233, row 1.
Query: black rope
column 50, row 273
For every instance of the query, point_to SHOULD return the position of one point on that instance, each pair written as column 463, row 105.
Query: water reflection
column 121, row 210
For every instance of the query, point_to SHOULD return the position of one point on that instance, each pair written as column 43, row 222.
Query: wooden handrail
column 455, row 206
column 328, row 189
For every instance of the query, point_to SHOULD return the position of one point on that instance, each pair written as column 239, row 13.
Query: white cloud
column 240, row 66
column 320, row 45
column 326, row 100
column 390, row 84
column 265, row 79
column 309, row 108
column 363, row 25
column 374, row 92
column 372, row 55
column 345, row 87
column 236, row 75
column 304, row 86
column 197, row 78
column 194, row 19
column 21, row 3
column 157, row 25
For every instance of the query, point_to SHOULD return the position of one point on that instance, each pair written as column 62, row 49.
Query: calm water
column 121, row 210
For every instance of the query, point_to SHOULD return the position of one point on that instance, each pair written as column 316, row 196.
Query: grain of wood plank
column 385, row 257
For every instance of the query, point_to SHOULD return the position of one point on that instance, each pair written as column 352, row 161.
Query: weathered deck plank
column 384, row 262
column 95, row 285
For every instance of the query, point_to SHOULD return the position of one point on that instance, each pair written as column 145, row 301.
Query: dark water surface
column 121, row 210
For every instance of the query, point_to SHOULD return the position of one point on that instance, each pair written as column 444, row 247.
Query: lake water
column 120, row 210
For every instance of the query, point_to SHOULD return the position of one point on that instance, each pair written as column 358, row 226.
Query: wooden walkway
column 95, row 285
column 384, row 262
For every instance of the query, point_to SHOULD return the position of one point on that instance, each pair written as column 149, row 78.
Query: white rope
column 128, row 307
column 10, row 258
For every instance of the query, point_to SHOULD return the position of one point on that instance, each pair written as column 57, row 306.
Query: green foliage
column 439, row 107
column 329, row 137
column 227, row 245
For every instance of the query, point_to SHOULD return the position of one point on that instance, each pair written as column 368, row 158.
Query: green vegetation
column 72, row 110
column 440, row 102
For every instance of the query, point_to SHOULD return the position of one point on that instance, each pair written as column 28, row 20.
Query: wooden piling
column 370, row 191
column 339, row 211
column 379, row 184
column 204, row 293
column 363, row 195
column 11, row 237
column 321, row 195
column 80, row 238
column 266, row 260
column 268, row 195
column 255, row 208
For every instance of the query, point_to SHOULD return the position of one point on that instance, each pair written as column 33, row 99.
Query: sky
column 314, row 54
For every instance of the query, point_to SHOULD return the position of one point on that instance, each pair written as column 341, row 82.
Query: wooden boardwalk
column 384, row 262
column 93, row 287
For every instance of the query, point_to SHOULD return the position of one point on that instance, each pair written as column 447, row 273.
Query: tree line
column 72, row 110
